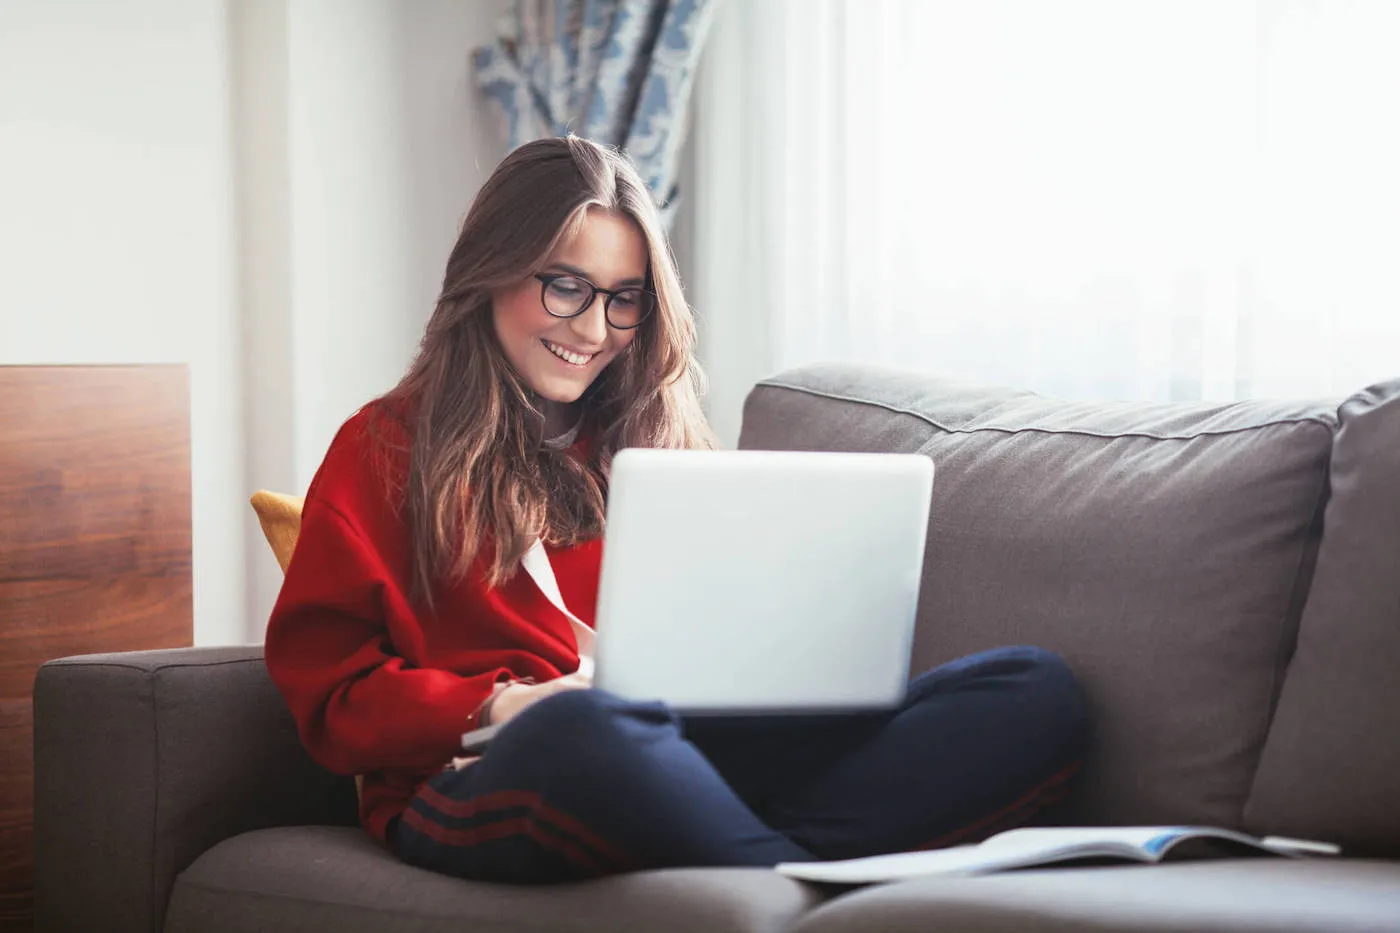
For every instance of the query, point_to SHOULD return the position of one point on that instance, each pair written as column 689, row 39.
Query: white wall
column 262, row 131
column 116, row 228
column 362, row 142
column 264, row 189
column 387, row 149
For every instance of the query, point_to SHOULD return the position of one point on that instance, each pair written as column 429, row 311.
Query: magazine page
column 1025, row 848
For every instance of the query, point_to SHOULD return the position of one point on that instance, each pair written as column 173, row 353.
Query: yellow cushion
column 280, row 517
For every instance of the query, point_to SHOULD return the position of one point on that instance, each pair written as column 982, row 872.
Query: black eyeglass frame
column 548, row 278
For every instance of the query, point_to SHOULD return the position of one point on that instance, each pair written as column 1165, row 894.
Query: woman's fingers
column 521, row 696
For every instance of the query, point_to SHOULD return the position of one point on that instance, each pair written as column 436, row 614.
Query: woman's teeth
column 568, row 356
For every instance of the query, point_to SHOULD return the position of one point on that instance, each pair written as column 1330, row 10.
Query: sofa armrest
column 142, row 761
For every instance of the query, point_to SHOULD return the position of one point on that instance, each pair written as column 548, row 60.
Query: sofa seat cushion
column 335, row 878
column 1243, row 896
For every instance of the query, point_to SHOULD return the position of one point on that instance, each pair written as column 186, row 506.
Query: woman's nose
column 592, row 325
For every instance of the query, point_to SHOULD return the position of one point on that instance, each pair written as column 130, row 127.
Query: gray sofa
column 1226, row 581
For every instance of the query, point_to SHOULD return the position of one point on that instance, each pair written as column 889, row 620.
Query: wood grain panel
column 94, row 550
column 102, row 613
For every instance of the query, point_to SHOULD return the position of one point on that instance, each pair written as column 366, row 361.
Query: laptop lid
column 761, row 581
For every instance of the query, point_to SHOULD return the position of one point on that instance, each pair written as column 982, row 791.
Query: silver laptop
column 738, row 582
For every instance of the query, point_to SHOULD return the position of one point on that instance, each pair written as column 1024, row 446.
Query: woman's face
column 560, row 358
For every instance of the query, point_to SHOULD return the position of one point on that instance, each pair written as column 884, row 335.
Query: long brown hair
column 480, row 482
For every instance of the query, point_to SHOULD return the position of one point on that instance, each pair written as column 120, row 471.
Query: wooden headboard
column 94, row 550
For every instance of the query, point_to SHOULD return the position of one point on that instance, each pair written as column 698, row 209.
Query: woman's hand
column 517, row 697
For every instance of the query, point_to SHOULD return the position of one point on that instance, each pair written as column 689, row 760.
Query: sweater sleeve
column 360, row 706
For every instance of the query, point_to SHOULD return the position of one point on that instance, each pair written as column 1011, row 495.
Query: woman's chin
column 560, row 391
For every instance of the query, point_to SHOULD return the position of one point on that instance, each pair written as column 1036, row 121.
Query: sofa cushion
column 329, row 878
column 1163, row 549
column 1245, row 896
column 1331, row 766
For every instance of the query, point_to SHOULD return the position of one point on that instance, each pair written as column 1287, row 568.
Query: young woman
column 406, row 618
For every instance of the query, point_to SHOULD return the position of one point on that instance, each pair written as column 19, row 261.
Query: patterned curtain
column 615, row 71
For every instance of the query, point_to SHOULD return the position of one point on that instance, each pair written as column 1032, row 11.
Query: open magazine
column 1030, row 848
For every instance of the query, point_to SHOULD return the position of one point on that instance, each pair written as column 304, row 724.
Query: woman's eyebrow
column 633, row 282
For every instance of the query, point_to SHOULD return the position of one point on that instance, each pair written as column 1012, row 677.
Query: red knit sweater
column 377, row 687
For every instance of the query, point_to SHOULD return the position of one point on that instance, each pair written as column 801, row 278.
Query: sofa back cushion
column 1163, row 549
column 1331, row 766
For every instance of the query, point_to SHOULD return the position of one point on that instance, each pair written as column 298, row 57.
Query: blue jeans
column 585, row 783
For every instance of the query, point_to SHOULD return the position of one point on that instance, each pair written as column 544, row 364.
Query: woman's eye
column 567, row 288
column 627, row 299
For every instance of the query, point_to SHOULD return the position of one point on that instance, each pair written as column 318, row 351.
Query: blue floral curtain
column 614, row 71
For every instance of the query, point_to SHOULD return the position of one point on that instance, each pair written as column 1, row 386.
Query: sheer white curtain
column 1158, row 199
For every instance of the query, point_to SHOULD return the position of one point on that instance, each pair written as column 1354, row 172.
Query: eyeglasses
column 568, row 296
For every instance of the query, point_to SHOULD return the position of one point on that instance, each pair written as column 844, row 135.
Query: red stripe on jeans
column 511, row 799
column 476, row 806
column 503, row 829
column 1052, row 790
